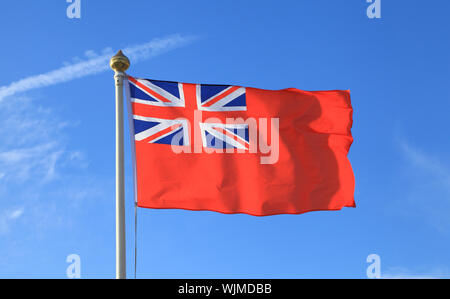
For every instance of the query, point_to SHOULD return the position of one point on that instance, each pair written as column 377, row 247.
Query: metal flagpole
column 120, row 63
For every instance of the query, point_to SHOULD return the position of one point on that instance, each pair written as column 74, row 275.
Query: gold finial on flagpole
column 119, row 62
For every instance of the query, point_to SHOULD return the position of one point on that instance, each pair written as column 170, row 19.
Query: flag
column 234, row 149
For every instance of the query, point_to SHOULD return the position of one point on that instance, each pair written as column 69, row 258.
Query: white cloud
column 9, row 216
column 421, row 160
column 404, row 273
column 16, row 213
column 31, row 143
column 22, row 163
column 428, row 197
column 38, row 170
column 93, row 65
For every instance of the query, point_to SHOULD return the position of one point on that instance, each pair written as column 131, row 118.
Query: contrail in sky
column 94, row 64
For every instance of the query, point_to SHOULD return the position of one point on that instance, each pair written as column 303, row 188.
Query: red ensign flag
column 233, row 149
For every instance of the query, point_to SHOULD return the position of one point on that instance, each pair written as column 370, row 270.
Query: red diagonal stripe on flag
column 162, row 133
column 142, row 86
column 221, row 96
column 234, row 137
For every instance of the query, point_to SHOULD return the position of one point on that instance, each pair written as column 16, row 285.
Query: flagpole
column 120, row 63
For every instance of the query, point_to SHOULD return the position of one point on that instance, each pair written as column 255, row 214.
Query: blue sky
column 57, row 135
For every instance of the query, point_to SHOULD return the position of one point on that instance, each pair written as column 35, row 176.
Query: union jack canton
column 166, row 129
